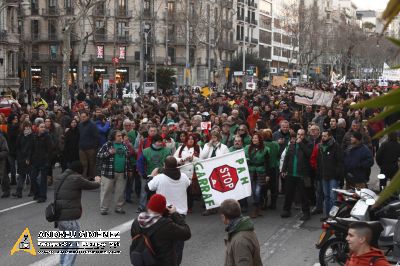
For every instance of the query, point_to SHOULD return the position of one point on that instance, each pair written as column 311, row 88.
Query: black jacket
column 163, row 240
column 71, row 145
column 330, row 161
column 303, row 153
column 12, row 135
column 68, row 201
column 338, row 134
column 387, row 158
column 41, row 150
column 24, row 147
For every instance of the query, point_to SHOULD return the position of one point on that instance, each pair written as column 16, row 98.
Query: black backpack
column 141, row 250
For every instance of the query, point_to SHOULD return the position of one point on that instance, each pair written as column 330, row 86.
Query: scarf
column 146, row 219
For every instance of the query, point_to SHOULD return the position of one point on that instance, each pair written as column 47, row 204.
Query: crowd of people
column 299, row 151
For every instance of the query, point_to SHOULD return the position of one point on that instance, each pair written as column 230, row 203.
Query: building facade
column 108, row 42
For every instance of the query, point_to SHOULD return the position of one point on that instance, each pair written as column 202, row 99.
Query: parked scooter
column 332, row 242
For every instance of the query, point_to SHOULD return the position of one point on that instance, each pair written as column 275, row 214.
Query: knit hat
column 76, row 166
column 157, row 203
column 357, row 135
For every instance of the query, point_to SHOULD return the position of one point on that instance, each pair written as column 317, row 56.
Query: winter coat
column 71, row 145
column 358, row 161
column 273, row 147
column 41, row 150
column 387, row 158
column 187, row 167
column 338, row 134
column 242, row 247
column 365, row 259
column 208, row 150
column 3, row 154
column 330, row 160
column 280, row 135
column 152, row 158
column 12, row 135
column 258, row 160
column 173, row 228
column 346, row 143
column 299, row 167
column 104, row 129
column 68, row 201
column 88, row 136
column 24, row 147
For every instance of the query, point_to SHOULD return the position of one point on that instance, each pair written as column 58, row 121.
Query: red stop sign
column 224, row 178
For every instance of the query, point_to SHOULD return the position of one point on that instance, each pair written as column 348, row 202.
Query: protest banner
column 279, row 81
column 223, row 177
column 313, row 97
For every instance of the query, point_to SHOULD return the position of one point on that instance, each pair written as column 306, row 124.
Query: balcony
column 100, row 37
column 124, row 38
column 240, row 18
column 37, row 57
column 252, row 41
column 69, row 11
column 123, row 13
column 251, row 21
column 252, row 5
column 37, row 37
column 227, row 24
column 241, row 2
column 3, row 36
column 147, row 13
column 98, row 12
column 51, row 12
column 229, row 46
column 178, row 40
column 35, row 12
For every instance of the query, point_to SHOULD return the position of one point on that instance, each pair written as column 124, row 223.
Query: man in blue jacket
column 88, row 144
column 357, row 162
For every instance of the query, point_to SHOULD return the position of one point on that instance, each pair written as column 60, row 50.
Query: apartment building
column 9, row 44
column 191, row 37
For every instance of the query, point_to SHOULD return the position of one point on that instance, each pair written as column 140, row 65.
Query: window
column 35, row 52
column 121, row 26
column 277, row 24
column 52, row 30
column 122, row 52
column 277, row 51
column 34, row 7
column 265, row 52
column 239, row 32
column 53, row 51
column 277, row 37
column 265, row 22
column 35, row 29
column 68, row 7
column 100, row 27
column 171, row 8
column 171, row 54
column 265, row 7
column 52, row 3
column 265, row 36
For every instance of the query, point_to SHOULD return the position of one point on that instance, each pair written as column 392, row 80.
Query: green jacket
column 132, row 135
column 273, row 153
column 242, row 247
column 232, row 149
column 154, row 158
column 257, row 160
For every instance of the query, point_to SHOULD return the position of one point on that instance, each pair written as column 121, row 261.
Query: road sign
column 238, row 73
column 148, row 86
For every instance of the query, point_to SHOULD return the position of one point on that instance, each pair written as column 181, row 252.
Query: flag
column 223, row 177
column 205, row 92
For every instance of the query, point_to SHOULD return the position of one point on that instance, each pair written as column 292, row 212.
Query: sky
column 371, row 4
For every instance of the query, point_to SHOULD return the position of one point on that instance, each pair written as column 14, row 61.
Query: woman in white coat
column 186, row 154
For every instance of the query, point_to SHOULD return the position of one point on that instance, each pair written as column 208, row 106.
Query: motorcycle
column 332, row 242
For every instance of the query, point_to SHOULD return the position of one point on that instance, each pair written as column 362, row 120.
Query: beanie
column 357, row 135
column 76, row 166
column 157, row 203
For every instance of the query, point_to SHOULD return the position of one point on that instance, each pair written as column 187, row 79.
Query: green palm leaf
column 392, row 128
column 392, row 98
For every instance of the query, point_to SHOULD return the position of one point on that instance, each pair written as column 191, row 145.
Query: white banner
column 390, row 74
column 313, row 97
column 223, row 177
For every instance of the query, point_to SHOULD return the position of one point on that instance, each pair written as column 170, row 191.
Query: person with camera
column 163, row 226
column 68, row 202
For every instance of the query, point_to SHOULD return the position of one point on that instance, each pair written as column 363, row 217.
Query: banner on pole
column 223, row 177
column 313, row 97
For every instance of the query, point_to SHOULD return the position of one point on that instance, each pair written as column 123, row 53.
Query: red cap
column 157, row 203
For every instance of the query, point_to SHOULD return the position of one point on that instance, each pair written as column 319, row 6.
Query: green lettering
column 244, row 180
column 205, row 189
column 240, row 161
column 241, row 169
column 203, row 182
column 206, row 196
column 209, row 203
column 200, row 175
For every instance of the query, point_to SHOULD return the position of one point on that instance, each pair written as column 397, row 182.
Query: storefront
column 122, row 76
column 36, row 78
column 98, row 74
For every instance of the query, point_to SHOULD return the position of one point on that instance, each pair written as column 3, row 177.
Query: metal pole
column 166, row 32
column 115, row 50
column 141, row 63
column 244, row 49
column 209, row 48
column 187, row 45
column 155, row 48
column 145, row 37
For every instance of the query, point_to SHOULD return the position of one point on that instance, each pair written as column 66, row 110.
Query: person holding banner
column 213, row 148
column 187, row 153
column 257, row 155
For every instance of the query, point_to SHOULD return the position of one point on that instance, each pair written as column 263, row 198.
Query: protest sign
column 313, row 97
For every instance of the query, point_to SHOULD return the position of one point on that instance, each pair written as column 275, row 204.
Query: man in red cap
column 167, row 227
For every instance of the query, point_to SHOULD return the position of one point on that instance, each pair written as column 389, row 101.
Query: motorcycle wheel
column 334, row 252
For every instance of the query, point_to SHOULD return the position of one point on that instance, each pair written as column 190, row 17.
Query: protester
column 166, row 227
column 5, row 180
column 172, row 184
column 242, row 246
column 71, row 144
column 387, row 157
column 88, row 144
column 69, row 206
column 114, row 169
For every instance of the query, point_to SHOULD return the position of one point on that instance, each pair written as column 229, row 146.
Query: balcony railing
column 35, row 11
column 252, row 21
column 225, row 45
column 69, row 11
column 100, row 37
column 124, row 38
column 37, row 37
column 123, row 13
column 101, row 12
column 50, row 11
column 251, row 4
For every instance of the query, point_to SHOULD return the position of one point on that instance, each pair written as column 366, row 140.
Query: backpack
column 141, row 250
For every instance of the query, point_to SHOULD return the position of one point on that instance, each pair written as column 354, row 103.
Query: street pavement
column 283, row 241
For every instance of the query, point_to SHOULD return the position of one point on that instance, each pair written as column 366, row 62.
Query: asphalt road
column 283, row 241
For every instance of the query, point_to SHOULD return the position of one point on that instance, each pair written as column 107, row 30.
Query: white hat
column 175, row 106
